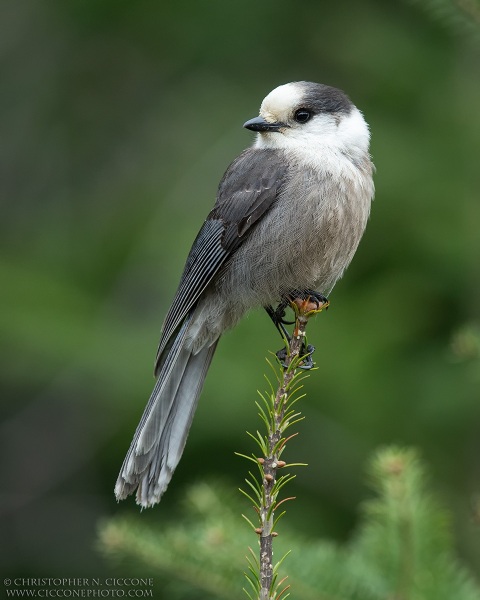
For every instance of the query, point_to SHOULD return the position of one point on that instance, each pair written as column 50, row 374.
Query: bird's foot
column 300, row 297
column 306, row 302
column 306, row 353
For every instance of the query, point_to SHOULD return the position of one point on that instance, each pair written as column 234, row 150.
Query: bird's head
column 310, row 116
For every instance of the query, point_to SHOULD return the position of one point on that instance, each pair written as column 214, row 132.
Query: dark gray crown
column 323, row 98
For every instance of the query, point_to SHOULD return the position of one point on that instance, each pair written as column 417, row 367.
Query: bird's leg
column 277, row 315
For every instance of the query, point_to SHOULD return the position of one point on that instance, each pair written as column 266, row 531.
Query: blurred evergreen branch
column 402, row 549
column 462, row 16
column 465, row 343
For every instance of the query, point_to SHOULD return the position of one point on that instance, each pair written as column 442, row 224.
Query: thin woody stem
column 270, row 463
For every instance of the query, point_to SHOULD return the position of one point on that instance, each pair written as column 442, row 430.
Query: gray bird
column 289, row 215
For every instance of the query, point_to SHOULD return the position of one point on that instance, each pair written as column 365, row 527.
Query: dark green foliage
column 402, row 548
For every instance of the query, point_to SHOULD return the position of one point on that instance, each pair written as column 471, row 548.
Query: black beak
column 260, row 124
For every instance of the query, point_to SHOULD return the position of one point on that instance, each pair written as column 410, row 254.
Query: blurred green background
column 118, row 120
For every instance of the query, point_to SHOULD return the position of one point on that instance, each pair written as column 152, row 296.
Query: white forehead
column 282, row 99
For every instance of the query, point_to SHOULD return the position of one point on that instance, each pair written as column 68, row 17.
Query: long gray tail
column 161, row 435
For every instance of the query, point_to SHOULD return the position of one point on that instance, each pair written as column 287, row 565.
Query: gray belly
column 305, row 241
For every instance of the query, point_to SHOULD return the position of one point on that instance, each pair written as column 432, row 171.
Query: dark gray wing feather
column 246, row 192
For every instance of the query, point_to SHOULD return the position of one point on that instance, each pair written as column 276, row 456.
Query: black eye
column 302, row 115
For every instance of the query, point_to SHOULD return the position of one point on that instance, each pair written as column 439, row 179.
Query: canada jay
column 289, row 214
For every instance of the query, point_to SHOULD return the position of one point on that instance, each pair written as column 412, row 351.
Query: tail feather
column 161, row 435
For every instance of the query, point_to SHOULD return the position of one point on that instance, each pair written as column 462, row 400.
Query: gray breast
column 306, row 240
